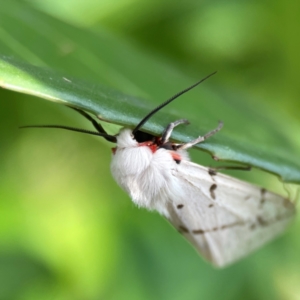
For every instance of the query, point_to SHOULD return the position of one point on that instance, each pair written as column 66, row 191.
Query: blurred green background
column 66, row 230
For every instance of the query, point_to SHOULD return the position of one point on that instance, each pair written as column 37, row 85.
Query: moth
column 223, row 217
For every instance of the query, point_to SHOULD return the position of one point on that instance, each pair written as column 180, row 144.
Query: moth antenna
column 97, row 126
column 108, row 137
column 155, row 110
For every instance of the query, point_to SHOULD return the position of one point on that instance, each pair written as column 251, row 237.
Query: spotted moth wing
column 223, row 217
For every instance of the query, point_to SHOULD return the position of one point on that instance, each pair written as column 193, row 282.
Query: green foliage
column 64, row 222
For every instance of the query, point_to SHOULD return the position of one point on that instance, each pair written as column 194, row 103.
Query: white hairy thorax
column 145, row 172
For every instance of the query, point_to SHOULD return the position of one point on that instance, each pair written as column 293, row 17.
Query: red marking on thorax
column 175, row 156
column 113, row 150
column 150, row 144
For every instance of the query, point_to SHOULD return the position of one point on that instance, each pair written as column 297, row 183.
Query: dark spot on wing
column 212, row 172
column 210, row 205
column 261, row 221
column 179, row 206
column 252, row 226
column 182, row 229
column 178, row 161
column 262, row 193
column 212, row 191
column 248, row 197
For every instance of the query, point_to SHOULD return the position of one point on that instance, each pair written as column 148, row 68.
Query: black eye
column 143, row 136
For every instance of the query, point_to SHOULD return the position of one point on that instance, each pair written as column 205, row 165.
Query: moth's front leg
column 201, row 138
column 169, row 129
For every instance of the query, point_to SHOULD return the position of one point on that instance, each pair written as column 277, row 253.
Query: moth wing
column 223, row 217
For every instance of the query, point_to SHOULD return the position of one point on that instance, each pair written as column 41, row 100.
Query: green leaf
column 96, row 67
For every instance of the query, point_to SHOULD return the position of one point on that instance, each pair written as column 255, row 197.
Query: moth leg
column 213, row 171
column 97, row 126
column 201, row 138
column 168, row 131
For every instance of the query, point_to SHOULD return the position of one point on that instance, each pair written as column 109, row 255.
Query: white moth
column 223, row 217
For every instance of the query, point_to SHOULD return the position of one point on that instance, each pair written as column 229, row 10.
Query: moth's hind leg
column 201, row 138
column 213, row 171
column 168, row 131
